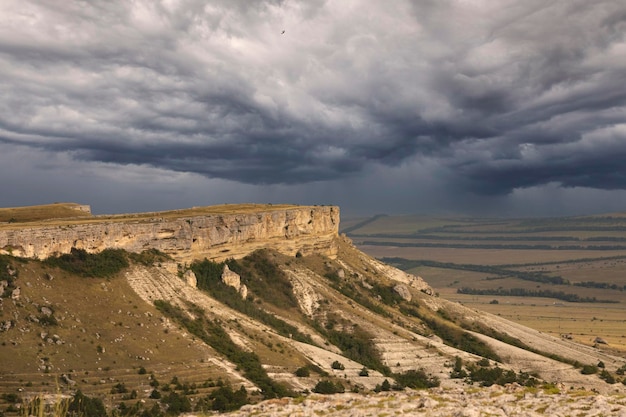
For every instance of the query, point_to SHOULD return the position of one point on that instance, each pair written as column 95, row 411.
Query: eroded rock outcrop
column 217, row 235
column 232, row 279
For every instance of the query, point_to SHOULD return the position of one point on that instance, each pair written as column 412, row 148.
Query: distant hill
column 44, row 212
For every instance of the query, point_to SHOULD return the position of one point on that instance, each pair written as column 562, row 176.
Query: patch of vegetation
column 488, row 376
column 523, row 292
column 416, row 379
column 176, row 403
column 406, row 264
column 97, row 265
column 209, row 279
column 78, row 405
column 8, row 274
column 456, row 336
column 338, row 365
column 607, row 377
column 589, row 370
column 302, row 372
column 357, row 345
column 119, row 388
column 226, row 399
column 212, row 333
column 149, row 257
column 457, row 371
column 385, row 386
column 326, row 386
column 350, row 290
column 386, row 294
column 265, row 279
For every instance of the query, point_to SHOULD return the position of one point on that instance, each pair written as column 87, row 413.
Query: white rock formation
column 232, row 279
column 190, row 278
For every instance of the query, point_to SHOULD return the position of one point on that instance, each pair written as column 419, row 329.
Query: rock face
column 232, row 279
column 190, row 278
column 217, row 236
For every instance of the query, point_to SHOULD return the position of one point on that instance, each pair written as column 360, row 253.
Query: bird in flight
column 282, row 33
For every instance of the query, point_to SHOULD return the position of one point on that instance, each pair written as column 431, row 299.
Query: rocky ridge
column 218, row 234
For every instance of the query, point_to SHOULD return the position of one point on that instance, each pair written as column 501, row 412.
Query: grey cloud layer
column 499, row 94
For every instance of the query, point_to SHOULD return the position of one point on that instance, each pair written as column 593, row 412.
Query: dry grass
column 584, row 321
column 59, row 214
column 105, row 333
column 43, row 212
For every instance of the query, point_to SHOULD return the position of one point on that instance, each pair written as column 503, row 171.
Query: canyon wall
column 216, row 236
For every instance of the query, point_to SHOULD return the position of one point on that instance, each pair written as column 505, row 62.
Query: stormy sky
column 494, row 107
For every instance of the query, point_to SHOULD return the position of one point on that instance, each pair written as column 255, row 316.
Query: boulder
column 232, row 279
column 190, row 278
column 403, row 291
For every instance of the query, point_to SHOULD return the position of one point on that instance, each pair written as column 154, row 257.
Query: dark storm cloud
column 498, row 94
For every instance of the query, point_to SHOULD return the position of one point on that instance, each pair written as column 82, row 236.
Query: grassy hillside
column 43, row 212
column 129, row 334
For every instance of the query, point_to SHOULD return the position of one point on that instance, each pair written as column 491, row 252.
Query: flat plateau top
column 70, row 213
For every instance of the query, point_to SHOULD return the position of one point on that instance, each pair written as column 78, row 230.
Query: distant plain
column 492, row 261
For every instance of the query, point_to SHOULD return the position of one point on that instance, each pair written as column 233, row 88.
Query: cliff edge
column 216, row 233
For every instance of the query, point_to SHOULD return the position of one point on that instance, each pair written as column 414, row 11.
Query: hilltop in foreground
column 214, row 308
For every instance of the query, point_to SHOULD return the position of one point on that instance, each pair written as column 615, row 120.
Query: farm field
column 562, row 276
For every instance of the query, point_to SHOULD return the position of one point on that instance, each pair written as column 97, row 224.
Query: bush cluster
column 326, row 386
column 98, row 265
column 209, row 279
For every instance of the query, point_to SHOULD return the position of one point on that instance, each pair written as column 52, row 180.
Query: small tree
column 302, row 372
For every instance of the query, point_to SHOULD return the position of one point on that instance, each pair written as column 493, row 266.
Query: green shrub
column 416, row 379
column 385, row 386
column 82, row 405
column 265, row 279
column 386, row 293
column 589, row 370
column 104, row 264
column 302, row 372
column 358, row 346
column 326, row 386
column 176, row 404
column 489, row 376
column 225, row 399
column 149, row 257
column 607, row 377
column 338, row 365
column 458, row 371
column 119, row 388
column 208, row 275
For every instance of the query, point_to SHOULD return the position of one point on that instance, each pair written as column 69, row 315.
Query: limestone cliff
column 215, row 233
